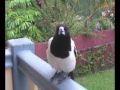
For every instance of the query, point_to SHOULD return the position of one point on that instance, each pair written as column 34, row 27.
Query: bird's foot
column 59, row 77
column 62, row 77
column 55, row 76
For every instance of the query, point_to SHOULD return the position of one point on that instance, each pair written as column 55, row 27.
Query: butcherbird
column 61, row 53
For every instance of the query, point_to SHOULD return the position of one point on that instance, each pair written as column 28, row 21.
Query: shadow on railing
column 25, row 64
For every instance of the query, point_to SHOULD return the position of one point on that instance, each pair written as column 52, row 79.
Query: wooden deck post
column 20, row 81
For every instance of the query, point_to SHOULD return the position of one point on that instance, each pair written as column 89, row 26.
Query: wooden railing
column 25, row 65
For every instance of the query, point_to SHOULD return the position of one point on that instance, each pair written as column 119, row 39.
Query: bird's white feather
column 62, row 64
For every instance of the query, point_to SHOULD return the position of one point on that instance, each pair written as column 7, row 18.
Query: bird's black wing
column 75, row 51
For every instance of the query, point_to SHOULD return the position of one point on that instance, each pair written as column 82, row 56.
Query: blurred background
column 36, row 19
column 91, row 24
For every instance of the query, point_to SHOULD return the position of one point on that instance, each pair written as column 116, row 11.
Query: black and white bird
column 61, row 53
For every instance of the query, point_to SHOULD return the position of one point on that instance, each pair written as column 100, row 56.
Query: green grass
column 103, row 80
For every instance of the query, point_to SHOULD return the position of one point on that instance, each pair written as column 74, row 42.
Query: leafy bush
column 24, row 18
column 57, row 14
column 94, row 59
column 52, row 15
column 21, row 18
column 107, row 23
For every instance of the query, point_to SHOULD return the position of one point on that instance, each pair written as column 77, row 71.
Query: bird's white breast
column 62, row 64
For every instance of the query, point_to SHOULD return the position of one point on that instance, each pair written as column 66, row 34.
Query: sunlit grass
column 103, row 80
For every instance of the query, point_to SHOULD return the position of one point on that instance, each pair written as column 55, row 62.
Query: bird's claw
column 59, row 76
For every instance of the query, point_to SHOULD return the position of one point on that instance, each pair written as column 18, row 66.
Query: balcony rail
column 21, row 58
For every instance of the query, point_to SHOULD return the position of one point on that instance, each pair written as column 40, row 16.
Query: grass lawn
column 103, row 80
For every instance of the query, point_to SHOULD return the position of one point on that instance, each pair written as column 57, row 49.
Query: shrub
column 24, row 18
column 52, row 15
column 21, row 17
column 106, row 23
column 94, row 59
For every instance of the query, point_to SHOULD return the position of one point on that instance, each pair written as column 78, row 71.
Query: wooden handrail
column 27, row 65
column 41, row 72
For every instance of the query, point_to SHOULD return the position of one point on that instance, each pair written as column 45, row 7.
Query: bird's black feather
column 75, row 51
column 61, row 44
column 71, row 75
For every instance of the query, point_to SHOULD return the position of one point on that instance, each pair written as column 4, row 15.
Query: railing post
column 8, row 71
column 20, row 81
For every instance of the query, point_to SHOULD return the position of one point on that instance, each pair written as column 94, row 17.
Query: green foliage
column 24, row 18
column 52, row 15
column 104, row 80
column 78, row 28
column 70, row 13
column 21, row 18
column 107, row 23
column 61, row 12
column 94, row 60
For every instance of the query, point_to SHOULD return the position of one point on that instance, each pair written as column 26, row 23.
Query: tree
column 21, row 18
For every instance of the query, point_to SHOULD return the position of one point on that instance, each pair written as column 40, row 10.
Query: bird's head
column 62, row 30
column 61, row 43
